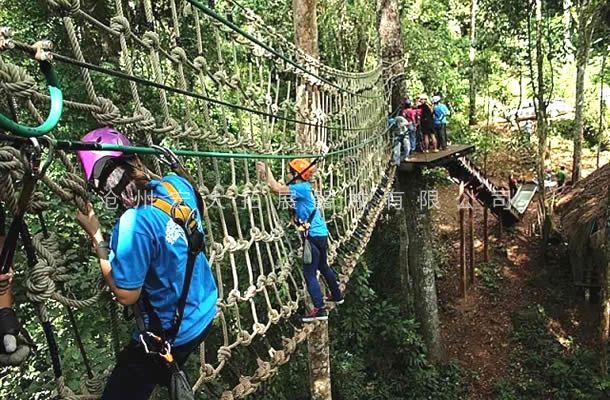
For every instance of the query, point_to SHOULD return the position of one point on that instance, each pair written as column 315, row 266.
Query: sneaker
column 316, row 314
column 435, row 151
column 336, row 302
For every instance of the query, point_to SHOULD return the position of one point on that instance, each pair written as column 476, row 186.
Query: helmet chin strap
column 299, row 175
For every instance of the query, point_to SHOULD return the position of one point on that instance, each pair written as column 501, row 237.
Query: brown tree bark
column 586, row 22
column 306, row 39
column 422, row 262
column 472, row 106
column 390, row 43
column 605, row 300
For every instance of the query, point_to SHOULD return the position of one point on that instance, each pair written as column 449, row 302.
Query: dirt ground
column 476, row 330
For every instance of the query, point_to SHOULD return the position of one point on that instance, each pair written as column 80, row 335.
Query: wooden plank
column 429, row 158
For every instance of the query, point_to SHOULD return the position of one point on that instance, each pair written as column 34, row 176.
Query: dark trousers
column 441, row 135
column 319, row 262
column 136, row 373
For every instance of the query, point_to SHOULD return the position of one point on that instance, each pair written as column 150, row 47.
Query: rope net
column 192, row 77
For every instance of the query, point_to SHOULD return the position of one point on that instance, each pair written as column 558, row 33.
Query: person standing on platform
column 410, row 114
column 427, row 125
column 440, row 121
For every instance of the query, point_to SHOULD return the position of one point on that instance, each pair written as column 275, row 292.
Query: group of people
column 420, row 127
column 154, row 261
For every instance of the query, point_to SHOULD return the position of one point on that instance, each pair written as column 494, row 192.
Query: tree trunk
column 605, row 300
column 601, row 108
column 306, row 39
column 567, row 20
column 405, row 276
column 388, row 26
column 421, row 261
column 585, row 32
column 472, row 107
column 537, row 82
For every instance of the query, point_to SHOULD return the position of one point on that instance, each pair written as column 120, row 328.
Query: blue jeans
column 319, row 262
column 412, row 138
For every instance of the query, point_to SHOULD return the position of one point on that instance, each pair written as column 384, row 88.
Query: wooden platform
column 432, row 160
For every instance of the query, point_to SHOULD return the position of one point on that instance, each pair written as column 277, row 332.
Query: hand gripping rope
column 43, row 57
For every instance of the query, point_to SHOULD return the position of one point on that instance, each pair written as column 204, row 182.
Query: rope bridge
column 222, row 89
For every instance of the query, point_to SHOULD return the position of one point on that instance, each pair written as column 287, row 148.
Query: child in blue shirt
column 440, row 121
column 309, row 220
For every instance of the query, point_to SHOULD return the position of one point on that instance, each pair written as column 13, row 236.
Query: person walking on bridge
column 312, row 227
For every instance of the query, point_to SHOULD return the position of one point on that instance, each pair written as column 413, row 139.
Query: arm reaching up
column 265, row 174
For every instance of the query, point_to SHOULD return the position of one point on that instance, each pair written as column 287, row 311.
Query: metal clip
column 167, row 156
column 6, row 41
column 43, row 50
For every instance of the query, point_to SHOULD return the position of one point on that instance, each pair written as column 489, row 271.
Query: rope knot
column 264, row 370
column 147, row 121
column 65, row 7
column 120, row 24
column 201, row 64
column 16, row 81
column 274, row 316
column 224, row 353
column 245, row 338
column 107, row 112
column 151, row 39
column 180, row 54
column 227, row 395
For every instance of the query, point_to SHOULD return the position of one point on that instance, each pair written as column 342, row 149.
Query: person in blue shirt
column 311, row 224
column 440, row 121
column 145, row 264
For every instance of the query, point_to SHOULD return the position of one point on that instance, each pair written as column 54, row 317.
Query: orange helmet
column 302, row 167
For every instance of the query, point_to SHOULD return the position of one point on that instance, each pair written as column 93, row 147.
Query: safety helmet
column 423, row 96
column 408, row 103
column 436, row 99
column 302, row 167
column 90, row 159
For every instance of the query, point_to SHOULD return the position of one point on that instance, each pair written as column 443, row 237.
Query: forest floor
column 477, row 329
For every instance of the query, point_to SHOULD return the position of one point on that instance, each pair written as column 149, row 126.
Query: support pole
column 471, row 234
column 319, row 362
column 485, row 235
column 463, row 274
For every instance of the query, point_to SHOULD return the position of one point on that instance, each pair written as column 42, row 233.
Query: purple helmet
column 88, row 158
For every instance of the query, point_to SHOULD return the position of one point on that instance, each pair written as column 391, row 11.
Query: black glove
column 11, row 353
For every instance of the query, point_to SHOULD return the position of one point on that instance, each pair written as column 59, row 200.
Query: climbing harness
column 154, row 339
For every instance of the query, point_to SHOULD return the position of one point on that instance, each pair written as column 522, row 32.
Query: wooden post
column 485, row 235
column 463, row 274
column 319, row 362
column 471, row 229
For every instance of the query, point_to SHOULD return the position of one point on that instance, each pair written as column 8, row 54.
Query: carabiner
column 55, row 93
column 167, row 156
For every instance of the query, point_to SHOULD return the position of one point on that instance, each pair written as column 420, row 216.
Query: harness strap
column 184, row 216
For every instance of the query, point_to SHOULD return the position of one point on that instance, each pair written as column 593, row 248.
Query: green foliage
column 543, row 366
column 489, row 275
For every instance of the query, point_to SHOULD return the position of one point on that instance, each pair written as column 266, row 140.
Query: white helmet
column 436, row 99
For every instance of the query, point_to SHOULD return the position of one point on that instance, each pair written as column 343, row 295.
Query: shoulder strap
column 182, row 214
